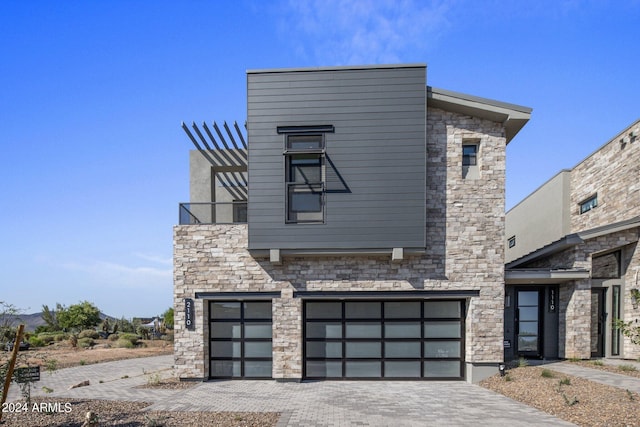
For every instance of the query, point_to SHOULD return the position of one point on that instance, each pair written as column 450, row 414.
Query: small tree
column 629, row 330
column 9, row 316
column 49, row 317
column 168, row 318
column 79, row 316
column 106, row 325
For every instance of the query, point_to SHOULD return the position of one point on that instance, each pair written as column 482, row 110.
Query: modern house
column 573, row 262
column 356, row 232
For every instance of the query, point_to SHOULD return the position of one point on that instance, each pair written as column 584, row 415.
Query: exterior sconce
column 502, row 369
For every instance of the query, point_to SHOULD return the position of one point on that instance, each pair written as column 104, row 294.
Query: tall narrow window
column 304, row 158
column 469, row 155
column 470, row 159
column 615, row 332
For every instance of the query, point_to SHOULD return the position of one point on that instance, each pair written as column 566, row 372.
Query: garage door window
column 383, row 339
column 240, row 339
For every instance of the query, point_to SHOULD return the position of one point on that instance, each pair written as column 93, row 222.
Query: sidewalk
column 110, row 380
column 622, row 381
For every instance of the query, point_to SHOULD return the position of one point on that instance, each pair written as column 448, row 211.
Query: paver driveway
column 324, row 403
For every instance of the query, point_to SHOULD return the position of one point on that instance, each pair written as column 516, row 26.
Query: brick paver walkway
column 324, row 403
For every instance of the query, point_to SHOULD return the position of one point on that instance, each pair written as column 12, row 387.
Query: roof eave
column 541, row 277
column 513, row 116
column 574, row 239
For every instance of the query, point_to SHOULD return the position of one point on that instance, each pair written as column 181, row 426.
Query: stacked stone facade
column 611, row 173
column 465, row 231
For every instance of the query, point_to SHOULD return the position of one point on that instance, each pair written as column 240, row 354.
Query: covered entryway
column 414, row 339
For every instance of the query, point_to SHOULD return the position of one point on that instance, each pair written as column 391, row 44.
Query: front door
column 528, row 323
column 598, row 320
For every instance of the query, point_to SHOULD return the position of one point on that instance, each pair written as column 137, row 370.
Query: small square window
column 589, row 204
column 239, row 211
column 512, row 241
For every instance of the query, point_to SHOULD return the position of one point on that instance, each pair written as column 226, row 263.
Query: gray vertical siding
column 377, row 149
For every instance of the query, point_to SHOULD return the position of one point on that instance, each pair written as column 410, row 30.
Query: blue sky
column 92, row 94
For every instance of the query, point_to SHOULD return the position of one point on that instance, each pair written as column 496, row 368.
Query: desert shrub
column 124, row 343
column 130, row 337
column 144, row 332
column 59, row 337
column 36, row 341
column 168, row 336
column 46, row 339
column 113, row 337
column 85, row 342
column 546, row 373
column 89, row 333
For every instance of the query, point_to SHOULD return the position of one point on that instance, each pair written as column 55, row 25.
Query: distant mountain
column 33, row 320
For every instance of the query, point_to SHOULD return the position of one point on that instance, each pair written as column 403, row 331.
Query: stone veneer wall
column 465, row 233
column 575, row 297
column 612, row 172
column 631, row 281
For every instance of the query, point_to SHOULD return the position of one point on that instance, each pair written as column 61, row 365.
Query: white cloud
column 154, row 258
column 349, row 32
column 104, row 273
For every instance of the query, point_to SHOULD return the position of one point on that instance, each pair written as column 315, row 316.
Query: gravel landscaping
column 573, row 399
column 73, row 413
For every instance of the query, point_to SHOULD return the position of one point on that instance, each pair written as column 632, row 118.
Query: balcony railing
column 213, row 213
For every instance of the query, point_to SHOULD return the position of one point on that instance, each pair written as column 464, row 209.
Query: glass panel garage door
column 240, row 339
column 384, row 339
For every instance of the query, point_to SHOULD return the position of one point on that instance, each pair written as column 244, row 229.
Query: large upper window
column 304, row 158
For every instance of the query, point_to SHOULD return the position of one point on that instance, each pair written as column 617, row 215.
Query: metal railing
column 213, row 213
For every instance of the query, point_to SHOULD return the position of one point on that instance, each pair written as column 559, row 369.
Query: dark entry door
column 528, row 323
column 597, row 321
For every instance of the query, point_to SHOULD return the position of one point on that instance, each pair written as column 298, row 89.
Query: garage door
column 240, row 339
column 384, row 339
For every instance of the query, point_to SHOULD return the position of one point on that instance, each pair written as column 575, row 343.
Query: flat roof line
column 336, row 68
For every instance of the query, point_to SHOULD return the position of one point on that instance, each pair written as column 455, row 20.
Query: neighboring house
column 356, row 233
column 573, row 261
